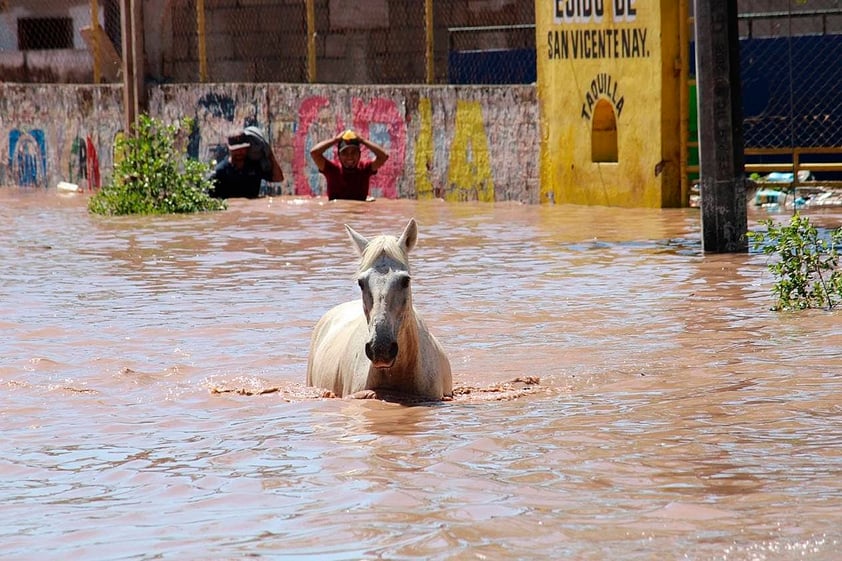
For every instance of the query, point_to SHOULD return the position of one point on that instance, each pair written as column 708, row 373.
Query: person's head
column 238, row 149
column 259, row 143
column 349, row 150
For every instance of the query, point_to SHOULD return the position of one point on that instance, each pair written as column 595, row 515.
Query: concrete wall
column 456, row 143
column 54, row 132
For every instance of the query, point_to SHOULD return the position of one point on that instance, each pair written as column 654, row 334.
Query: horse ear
column 360, row 241
column 409, row 236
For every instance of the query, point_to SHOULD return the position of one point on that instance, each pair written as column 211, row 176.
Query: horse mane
column 382, row 245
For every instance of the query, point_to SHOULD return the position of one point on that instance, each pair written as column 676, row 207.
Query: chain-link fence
column 335, row 41
column 293, row 41
column 790, row 65
column 791, row 62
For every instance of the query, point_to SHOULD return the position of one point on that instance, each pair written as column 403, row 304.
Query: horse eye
column 361, row 282
column 405, row 282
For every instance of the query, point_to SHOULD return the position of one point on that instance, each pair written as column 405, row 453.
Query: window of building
column 45, row 33
column 604, row 133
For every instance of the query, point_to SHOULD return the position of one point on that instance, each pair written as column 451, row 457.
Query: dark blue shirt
column 231, row 182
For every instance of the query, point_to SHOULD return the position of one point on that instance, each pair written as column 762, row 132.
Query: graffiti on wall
column 424, row 154
column 56, row 134
column 470, row 167
column 29, row 165
column 439, row 145
column 28, row 157
column 377, row 120
column 305, row 172
column 469, row 173
column 82, row 163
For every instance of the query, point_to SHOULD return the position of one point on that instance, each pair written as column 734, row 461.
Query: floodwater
column 153, row 408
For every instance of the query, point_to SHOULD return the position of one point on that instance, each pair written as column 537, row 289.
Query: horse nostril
column 393, row 351
column 368, row 352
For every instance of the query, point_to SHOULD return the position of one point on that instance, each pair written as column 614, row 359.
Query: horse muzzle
column 381, row 355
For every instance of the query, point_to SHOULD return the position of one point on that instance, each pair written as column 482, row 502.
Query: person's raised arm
column 380, row 153
column 277, row 171
column 318, row 151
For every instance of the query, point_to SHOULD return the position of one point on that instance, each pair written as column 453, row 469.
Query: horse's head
column 384, row 280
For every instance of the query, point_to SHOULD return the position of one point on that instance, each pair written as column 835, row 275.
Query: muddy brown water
column 678, row 417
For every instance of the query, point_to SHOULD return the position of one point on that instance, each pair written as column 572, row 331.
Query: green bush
column 807, row 270
column 153, row 176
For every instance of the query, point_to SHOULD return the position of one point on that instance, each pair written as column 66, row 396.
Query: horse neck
column 408, row 340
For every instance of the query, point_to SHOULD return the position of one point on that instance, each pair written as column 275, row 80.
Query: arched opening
column 604, row 133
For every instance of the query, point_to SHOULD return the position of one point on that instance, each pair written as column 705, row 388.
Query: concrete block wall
column 456, row 143
column 374, row 42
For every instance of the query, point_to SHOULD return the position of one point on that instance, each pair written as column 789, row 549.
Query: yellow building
column 608, row 86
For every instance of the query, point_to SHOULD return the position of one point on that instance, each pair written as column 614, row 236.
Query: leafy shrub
column 807, row 269
column 153, row 176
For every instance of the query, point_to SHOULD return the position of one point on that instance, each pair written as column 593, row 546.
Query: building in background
column 44, row 40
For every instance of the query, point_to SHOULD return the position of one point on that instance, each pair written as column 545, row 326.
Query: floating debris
column 501, row 391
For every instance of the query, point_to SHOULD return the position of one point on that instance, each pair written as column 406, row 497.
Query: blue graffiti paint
column 28, row 157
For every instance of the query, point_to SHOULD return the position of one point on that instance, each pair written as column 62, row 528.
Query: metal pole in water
column 722, row 177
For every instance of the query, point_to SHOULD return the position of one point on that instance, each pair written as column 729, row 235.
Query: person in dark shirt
column 348, row 179
column 250, row 160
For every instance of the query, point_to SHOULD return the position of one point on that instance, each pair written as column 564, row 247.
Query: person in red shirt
column 348, row 179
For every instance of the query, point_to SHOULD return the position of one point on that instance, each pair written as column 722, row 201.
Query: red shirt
column 347, row 183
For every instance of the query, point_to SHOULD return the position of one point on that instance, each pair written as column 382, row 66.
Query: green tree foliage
column 154, row 176
column 806, row 270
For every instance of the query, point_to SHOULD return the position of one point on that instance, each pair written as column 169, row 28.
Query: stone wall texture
column 458, row 143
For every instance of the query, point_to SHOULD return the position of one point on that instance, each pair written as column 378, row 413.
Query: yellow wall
column 624, row 54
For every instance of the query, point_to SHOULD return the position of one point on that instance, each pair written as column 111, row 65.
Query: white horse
column 381, row 347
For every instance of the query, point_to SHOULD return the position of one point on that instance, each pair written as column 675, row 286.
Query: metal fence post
column 202, row 38
column 95, row 39
column 311, row 41
column 429, row 35
column 134, row 93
